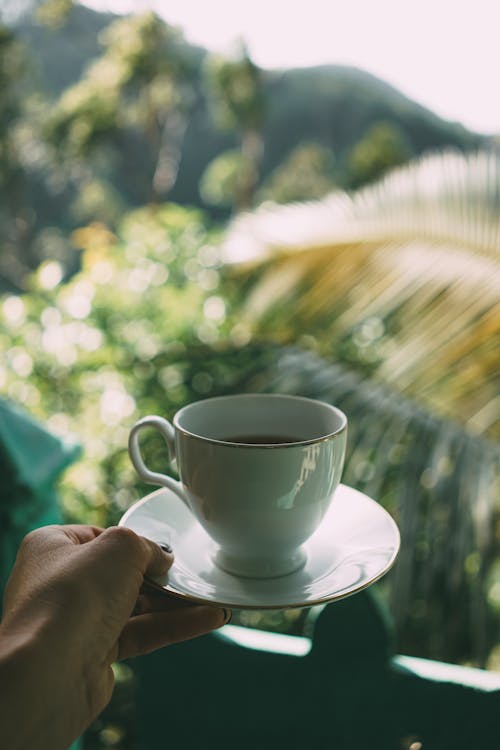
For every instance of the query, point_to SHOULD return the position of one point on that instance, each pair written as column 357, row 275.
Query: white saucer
column 355, row 545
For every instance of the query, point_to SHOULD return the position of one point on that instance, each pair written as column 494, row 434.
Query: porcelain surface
column 258, row 501
column 356, row 544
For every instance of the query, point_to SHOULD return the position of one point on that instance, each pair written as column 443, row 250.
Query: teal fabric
column 38, row 456
column 31, row 461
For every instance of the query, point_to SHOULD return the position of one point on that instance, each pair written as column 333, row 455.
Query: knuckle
column 123, row 536
column 36, row 535
column 30, row 537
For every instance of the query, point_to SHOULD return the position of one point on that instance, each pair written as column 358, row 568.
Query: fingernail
column 166, row 548
column 227, row 616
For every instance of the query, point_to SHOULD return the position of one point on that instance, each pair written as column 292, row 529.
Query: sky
column 445, row 54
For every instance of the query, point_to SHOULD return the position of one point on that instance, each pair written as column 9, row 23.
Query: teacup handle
column 152, row 477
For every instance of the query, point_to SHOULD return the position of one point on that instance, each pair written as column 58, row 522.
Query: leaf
column 399, row 285
column 439, row 482
column 400, row 280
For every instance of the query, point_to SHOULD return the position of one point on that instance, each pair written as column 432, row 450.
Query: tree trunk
column 252, row 149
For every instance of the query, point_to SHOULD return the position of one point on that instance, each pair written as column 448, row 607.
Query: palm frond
column 404, row 275
column 398, row 287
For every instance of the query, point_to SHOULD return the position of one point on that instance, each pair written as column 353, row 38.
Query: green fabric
column 31, row 461
column 38, row 456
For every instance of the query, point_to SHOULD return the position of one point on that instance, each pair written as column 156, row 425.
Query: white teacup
column 258, row 472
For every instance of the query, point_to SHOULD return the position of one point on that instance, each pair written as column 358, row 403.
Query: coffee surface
column 262, row 439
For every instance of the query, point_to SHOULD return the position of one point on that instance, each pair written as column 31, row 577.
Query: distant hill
column 338, row 104
column 330, row 105
column 60, row 55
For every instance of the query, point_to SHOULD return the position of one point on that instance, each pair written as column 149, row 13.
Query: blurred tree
column 88, row 355
column 384, row 146
column 224, row 178
column 306, row 174
column 15, row 218
column 140, row 84
column 53, row 13
column 236, row 92
column 98, row 199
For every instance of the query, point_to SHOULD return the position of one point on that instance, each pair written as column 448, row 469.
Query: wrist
column 39, row 687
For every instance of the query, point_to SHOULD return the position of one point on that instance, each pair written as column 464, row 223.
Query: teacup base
column 260, row 568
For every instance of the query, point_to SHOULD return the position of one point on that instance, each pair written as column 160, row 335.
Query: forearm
column 38, row 703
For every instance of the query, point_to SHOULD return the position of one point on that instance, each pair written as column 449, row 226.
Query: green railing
column 340, row 688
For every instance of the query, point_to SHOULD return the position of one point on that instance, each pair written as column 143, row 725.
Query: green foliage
column 127, row 121
column 12, row 68
column 221, row 180
column 398, row 285
column 91, row 355
column 236, row 90
column 382, row 148
column 54, row 13
column 98, row 200
column 60, row 53
column 138, row 82
column 15, row 215
column 307, row 174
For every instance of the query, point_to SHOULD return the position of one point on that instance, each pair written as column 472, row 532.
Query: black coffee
column 262, row 439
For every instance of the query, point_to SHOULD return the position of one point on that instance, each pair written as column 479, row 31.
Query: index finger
column 57, row 535
column 145, row 554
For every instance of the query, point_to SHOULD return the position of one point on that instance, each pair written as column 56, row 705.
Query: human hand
column 79, row 590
